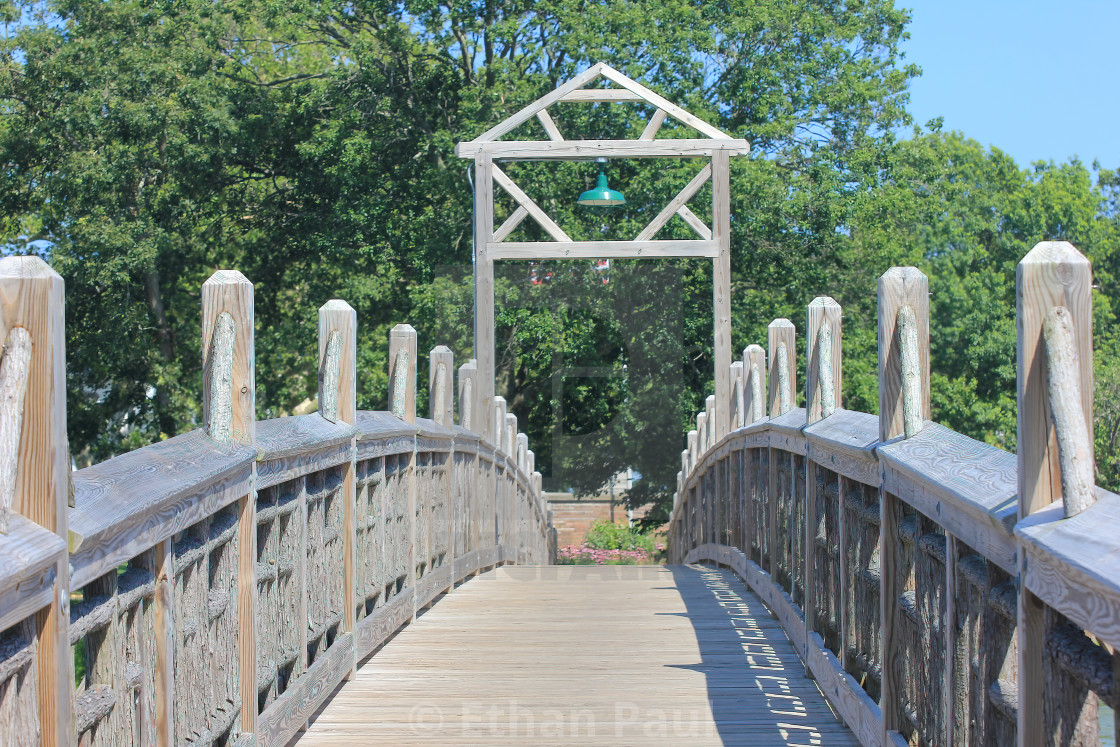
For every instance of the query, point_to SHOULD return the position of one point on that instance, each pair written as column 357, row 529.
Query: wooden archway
column 490, row 244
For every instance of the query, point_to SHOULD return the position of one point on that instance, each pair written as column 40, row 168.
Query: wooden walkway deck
column 564, row 655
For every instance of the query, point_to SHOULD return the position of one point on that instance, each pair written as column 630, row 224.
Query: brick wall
column 572, row 517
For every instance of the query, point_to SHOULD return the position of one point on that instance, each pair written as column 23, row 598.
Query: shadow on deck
column 585, row 655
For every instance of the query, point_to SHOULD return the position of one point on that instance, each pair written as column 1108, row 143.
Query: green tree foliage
column 966, row 216
column 148, row 143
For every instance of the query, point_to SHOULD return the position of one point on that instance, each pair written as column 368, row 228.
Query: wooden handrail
column 225, row 580
column 890, row 547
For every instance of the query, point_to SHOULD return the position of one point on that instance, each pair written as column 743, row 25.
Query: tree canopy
column 148, row 143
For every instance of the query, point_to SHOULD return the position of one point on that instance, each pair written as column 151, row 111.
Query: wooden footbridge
column 356, row 577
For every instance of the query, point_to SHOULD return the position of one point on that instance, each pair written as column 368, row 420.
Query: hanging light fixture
column 602, row 195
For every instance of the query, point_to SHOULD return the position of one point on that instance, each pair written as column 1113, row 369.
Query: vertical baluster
column 1053, row 274
column 402, row 403
column 781, row 341
column 822, row 398
column 338, row 342
column 900, row 288
column 229, row 412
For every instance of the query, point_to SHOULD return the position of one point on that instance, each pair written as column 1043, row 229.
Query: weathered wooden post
column 229, row 413
column 468, row 400
column 36, row 461
column 711, row 411
column 754, row 390
column 1055, row 449
column 441, row 365
column 781, row 342
column 402, row 403
column 509, row 443
column 497, row 434
column 338, row 345
column 701, row 434
column 822, row 398
column 904, row 404
column 781, row 339
column 402, row 372
column 822, row 375
column 738, row 398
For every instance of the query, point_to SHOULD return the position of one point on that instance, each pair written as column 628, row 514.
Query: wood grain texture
column 783, row 387
column 964, row 485
column 756, row 392
column 468, row 396
column 737, row 401
column 657, row 100
column 338, row 317
column 583, row 150
column 127, row 504
column 230, row 292
column 484, row 287
column 163, row 613
column 845, row 443
column 543, row 646
column 402, row 339
column 654, row 124
column 675, row 204
column 721, row 289
column 441, row 371
column 298, row 445
column 32, row 297
column 1072, row 564
column 247, row 607
column 653, row 249
column 822, row 396
column 549, row 126
column 510, row 224
column 15, row 370
column 290, row 711
column 522, row 199
column 898, row 287
column 1052, row 274
column 29, row 555
column 1068, row 374
column 601, row 95
column 531, row 110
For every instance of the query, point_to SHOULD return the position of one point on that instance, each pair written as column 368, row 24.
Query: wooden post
column 711, row 416
column 469, row 409
column 781, row 342
column 484, row 285
column 822, row 398
column 338, row 345
column 1053, row 274
column 693, row 450
column 441, row 364
column 523, row 453
column 402, row 372
column 755, row 391
column 737, row 403
column 338, row 325
column 721, row 288
column 822, row 374
column 701, row 435
column 229, row 412
column 32, row 298
column 900, row 289
column 509, row 443
column 497, row 420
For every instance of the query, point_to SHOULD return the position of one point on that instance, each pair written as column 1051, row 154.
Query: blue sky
column 1039, row 80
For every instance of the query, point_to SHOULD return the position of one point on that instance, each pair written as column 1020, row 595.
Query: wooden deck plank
column 590, row 655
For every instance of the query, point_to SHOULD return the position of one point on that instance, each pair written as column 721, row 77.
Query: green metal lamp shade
column 602, row 194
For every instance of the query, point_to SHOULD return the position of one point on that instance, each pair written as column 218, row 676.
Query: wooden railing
column 218, row 585
column 942, row 591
